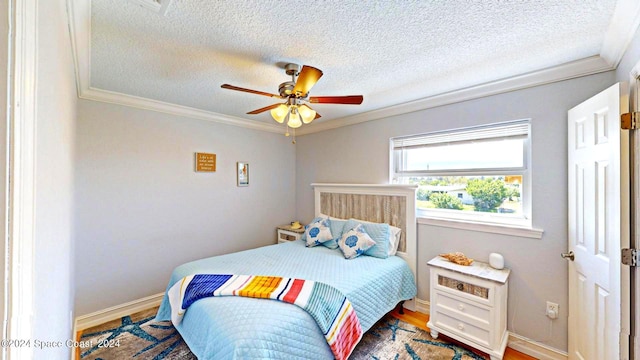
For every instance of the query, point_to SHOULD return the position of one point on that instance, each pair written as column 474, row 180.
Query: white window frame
column 490, row 222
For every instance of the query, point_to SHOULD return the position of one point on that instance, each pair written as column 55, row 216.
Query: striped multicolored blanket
column 327, row 305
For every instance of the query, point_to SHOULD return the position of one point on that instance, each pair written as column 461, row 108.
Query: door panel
column 597, row 216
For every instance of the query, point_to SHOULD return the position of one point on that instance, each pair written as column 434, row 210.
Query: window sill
column 519, row 231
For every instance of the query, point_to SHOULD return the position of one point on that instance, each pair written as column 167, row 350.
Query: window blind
column 511, row 130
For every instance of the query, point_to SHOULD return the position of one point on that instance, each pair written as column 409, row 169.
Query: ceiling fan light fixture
column 294, row 119
column 279, row 113
column 294, row 93
column 306, row 113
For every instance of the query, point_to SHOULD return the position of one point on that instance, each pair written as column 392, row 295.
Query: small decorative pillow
column 355, row 242
column 318, row 232
column 395, row 233
column 336, row 226
column 379, row 232
column 315, row 220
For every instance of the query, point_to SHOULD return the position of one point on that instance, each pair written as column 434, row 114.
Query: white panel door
column 597, row 216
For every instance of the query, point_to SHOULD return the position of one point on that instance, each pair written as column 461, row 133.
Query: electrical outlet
column 552, row 310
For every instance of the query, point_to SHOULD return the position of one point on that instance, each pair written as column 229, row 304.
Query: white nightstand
column 469, row 304
column 286, row 233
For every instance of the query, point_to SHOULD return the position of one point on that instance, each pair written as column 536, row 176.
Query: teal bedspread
column 246, row 328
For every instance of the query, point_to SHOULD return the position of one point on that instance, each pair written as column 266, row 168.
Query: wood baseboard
column 535, row 349
column 115, row 312
column 422, row 306
column 102, row 316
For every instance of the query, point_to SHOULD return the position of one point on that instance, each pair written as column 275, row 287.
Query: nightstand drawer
column 464, row 310
column 286, row 233
column 469, row 288
column 462, row 328
column 287, row 236
column 464, row 287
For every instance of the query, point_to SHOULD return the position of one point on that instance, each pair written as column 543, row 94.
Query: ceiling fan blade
column 349, row 99
column 308, row 77
column 231, row 87
column 261, row 110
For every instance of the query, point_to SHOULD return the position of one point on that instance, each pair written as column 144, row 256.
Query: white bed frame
column 407, row 192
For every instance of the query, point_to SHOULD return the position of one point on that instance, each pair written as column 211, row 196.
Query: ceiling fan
column 296, row 95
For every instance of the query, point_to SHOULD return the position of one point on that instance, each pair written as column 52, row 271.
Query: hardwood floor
column 420, row 320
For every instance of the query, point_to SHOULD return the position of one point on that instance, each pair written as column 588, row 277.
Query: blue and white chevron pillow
column 355, row 242
column 318, row 232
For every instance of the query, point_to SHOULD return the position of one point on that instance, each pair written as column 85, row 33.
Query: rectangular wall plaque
column 205, row 162
column 242, row 171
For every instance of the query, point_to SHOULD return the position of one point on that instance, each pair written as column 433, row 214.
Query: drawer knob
column 461, row 307
column 460, row 286
column 460, row 326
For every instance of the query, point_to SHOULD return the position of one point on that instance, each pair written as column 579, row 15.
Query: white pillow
column 317, row 233
column 355, row 242
column 394, row 239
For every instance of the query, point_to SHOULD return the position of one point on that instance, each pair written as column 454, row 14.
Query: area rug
column 140, row 337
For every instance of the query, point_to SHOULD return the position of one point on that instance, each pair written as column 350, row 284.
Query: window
column 478, row 174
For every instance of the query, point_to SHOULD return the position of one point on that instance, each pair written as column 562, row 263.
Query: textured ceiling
column 391, row 52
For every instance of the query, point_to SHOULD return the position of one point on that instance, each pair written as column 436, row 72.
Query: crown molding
column 622, row 28
column 588, row 66
column 174, row 109
column 79, row 13
column 617, row 39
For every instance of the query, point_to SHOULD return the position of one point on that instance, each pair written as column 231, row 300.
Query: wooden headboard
column 391, row 204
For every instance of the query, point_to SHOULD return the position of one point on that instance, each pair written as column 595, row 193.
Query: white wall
column 141, row 209
column 360, row 154
column 56, row 113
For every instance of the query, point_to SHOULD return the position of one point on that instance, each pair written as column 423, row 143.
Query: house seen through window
column 476, row 174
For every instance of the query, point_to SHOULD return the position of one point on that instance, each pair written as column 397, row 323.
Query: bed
column 246, row 328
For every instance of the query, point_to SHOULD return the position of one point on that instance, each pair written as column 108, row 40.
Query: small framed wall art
column 205, row 162
column 242, row 170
